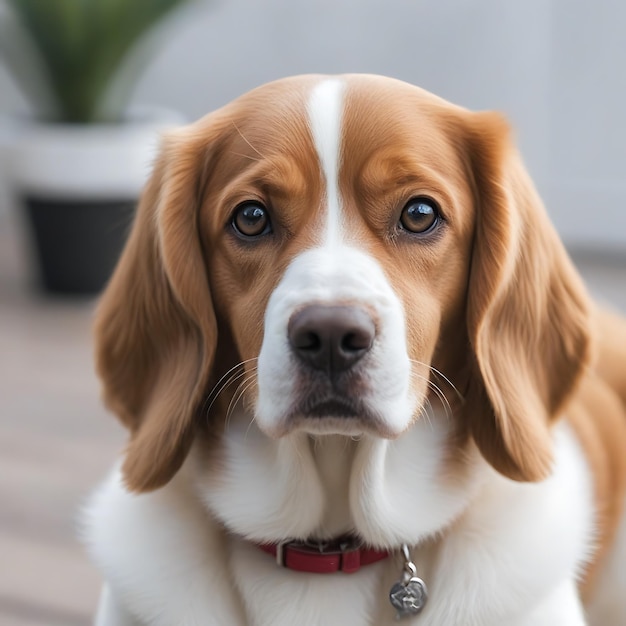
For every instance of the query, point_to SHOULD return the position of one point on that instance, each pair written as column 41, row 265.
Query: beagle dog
column 361, row 377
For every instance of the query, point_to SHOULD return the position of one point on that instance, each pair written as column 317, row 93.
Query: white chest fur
column 502, row 553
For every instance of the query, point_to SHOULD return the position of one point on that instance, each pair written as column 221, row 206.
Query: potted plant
column 79, row 166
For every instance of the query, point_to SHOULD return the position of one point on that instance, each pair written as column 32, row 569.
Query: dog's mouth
column 334, row 414
column 333, row 407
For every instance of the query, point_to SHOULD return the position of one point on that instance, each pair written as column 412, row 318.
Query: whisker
column 442, row 398
column 438, row 392
column 242, row 136
column 424, row 413
column 459, row 395
column 441, row 375
column 246, row 156
column 252, row 420
column 216, row 390
column 255, row 358
column 250, row 382
column 231, row 379
column 241, row 389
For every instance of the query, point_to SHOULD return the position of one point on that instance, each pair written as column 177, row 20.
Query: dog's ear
column 527, row 315
column 155, row 331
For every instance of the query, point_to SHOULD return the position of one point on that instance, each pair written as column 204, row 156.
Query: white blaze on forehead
column 325, row 111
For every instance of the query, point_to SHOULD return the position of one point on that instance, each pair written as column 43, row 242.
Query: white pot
column 90, row 161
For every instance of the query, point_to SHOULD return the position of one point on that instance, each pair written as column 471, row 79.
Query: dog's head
column 340, row 245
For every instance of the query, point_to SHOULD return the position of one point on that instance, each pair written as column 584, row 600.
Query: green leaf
column 80, row 46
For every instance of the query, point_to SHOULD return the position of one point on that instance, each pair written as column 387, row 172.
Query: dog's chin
column 330, row 418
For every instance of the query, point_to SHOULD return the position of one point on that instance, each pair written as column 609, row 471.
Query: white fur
column 325, row 114
column 561, row 606
column 608, row 605
column 522, row 542
column 110, row 612
column 510, row 557
column 329, row 485
column 158, row 553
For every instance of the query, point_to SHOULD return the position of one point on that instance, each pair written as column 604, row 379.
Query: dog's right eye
column 420, row 216
column 251, row 219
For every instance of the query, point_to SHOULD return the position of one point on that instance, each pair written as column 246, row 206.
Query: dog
column 361, row 377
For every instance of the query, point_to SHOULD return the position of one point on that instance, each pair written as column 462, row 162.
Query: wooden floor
column 56, row 441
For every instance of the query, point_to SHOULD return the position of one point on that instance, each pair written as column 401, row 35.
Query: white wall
column 555, row 67
column 586, row 189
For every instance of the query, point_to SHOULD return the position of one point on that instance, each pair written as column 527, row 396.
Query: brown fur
column 528, row 314
column 493, row 302
column 598, row 415
column 155, row 330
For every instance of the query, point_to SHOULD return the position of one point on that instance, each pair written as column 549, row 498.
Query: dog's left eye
column 420, row 216
column 251, row 219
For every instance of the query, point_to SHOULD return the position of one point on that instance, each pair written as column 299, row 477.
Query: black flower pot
column 78, row 242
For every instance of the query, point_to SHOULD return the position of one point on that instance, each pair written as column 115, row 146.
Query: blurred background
column 85, row 88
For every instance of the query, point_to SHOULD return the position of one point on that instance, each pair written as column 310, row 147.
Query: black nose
column 331, row 338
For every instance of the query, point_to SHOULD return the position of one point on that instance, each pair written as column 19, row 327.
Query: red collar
column 345, row 554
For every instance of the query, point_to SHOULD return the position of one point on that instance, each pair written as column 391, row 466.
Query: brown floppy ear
column 527, row 316
column 155, row 330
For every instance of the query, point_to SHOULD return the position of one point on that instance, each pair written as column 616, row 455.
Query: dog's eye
column 251, row 220
column 420, row 215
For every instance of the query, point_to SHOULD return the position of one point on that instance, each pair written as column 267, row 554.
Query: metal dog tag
column 408, row 596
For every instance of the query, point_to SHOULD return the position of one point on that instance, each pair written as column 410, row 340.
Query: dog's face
column 346, row 249
column 338, row 251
